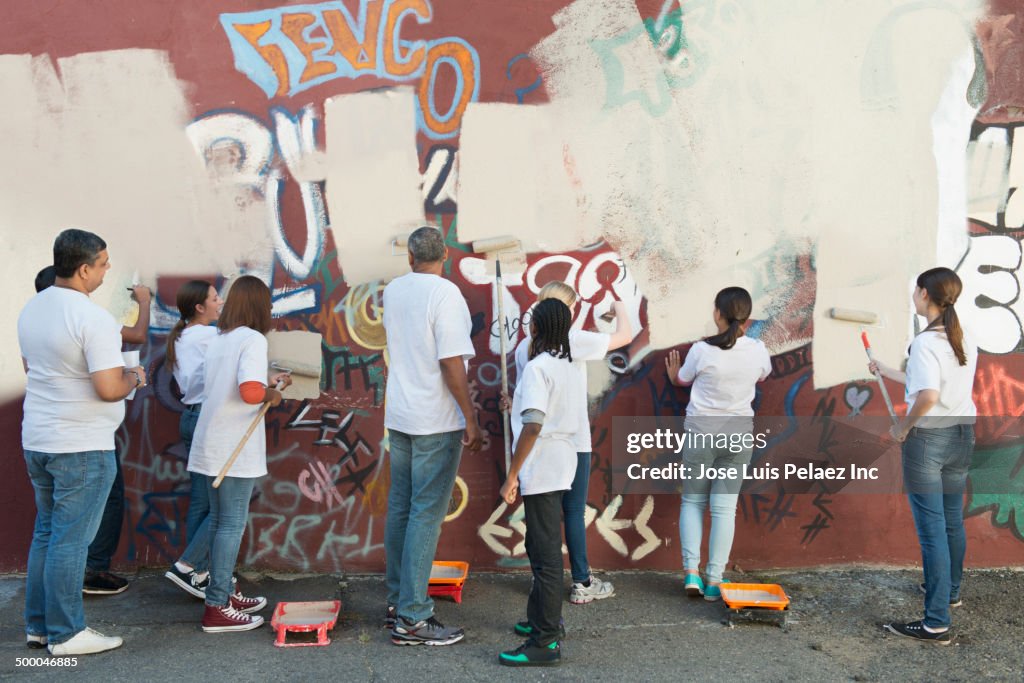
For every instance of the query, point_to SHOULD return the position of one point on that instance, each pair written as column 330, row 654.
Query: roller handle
column 506, row 422
column 245, row 438
column 878, row 376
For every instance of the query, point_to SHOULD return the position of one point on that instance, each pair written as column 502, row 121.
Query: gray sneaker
column 428, row 632
column 581, row 593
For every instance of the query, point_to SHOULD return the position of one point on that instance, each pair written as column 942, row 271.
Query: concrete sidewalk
column 647, row 632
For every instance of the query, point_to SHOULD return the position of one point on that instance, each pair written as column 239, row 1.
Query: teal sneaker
column 531, row 654
column 714, row 593
column 522, row 628
column 693, row 586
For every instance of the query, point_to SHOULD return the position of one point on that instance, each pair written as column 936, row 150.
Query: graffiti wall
column 644, row 151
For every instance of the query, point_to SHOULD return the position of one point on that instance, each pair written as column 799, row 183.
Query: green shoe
column 531, row 654
column 714, row 593
column 522, row 628
column 693, row 586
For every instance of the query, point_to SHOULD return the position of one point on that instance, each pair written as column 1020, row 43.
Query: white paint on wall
column 97, row 141
column 373, row 180
column 784, row 122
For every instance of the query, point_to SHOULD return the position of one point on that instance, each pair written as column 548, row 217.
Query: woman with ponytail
column 722, row 372
column 938, row 440
column 199, row 306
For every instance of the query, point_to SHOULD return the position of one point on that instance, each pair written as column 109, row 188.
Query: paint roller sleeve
column 302, row 369
column 850, row 315
column 495, row 244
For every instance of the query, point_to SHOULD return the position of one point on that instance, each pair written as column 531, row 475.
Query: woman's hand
column 898, row 433
column 281, row 379
column 672, row 365
column 274, row 397
column 505, row 402
column 509, row 490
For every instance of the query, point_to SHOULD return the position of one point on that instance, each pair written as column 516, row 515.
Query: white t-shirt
column 933, row 365
column 584, row 346
column 232, row 358
column 64, row 337
column 190, row 352
column 550, row 385
column 724, row 379
column 426, row 320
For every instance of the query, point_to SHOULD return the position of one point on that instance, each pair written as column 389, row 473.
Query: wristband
column 138, row 378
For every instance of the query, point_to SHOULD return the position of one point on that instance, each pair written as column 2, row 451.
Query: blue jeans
column 574, row 506
column 108, row 535
column 229, row 510
column 197, row 522
column 722, row 494
column 423, row 469
column 70, row 491
column 935, row 464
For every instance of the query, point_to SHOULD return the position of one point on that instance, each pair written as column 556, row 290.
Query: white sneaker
column 581, row 594
column 85, row 642
column 35, row 642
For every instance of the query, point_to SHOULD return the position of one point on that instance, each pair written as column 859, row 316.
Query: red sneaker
column 227, row 618
column 247, row 605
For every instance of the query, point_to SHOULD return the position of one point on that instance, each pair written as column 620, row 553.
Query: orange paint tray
column 304, row 617
column 447, row 578
column 762, row 595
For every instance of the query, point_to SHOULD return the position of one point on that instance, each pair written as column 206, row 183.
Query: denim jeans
column 423, row 469
column 197, row 522
column 574, row 506
column 108, row 535
column 723, row 494
column 229, row 511
column 544, row 548
column 935, row 464
column 70, row 491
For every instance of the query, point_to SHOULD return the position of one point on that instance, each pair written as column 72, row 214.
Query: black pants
column 544, row 548
column 104, row 545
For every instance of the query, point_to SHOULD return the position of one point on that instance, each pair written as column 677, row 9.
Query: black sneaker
column 953, row 602
column 531, row 654
column 917, row 631
column 522, row 628
column 189, row 581
column 390, row 616
column 428, row 632
column 103, row 583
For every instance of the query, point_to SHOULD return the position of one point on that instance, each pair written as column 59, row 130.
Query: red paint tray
column 304, row 617
column 447, row 578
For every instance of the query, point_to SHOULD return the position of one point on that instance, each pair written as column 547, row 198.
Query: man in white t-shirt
column 74, row 402
column 98, row 578
column 429, row 417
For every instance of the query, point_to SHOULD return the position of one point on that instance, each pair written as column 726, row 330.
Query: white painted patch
column 373, row 180
column 782, row 123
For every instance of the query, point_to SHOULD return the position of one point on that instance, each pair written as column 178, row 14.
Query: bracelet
column 138, row 378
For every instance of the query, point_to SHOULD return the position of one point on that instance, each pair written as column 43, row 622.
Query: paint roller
column 496, row 245
column 303, row 369
column 853, row 316
column 866, row 318
column 400, row 242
